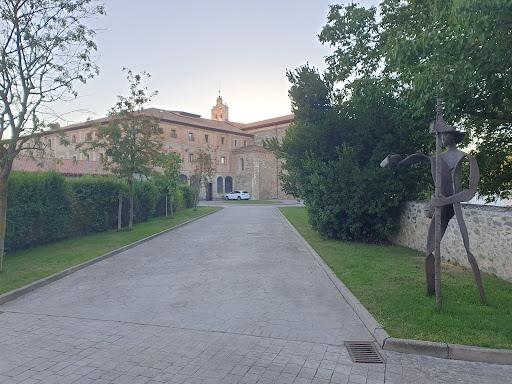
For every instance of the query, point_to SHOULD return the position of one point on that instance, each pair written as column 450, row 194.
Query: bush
column 146, row 196
column 46, row 207
column 178, row 200
column 96, row 201
column 333, row 151
column 38, row 210
column 189, row 194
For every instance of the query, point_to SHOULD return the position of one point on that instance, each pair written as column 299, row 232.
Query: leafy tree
column 169, row 179
column 333, row 150
column 130, row 141
column 459, row 50
column 203, row 168
column 45, row 49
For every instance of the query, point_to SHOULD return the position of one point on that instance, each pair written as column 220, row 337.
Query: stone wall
column 259, row 175
column 490, row 236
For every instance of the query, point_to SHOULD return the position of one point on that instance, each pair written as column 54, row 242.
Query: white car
column 238, row 195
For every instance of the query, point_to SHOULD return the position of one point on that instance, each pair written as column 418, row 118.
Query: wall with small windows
column 240, row 161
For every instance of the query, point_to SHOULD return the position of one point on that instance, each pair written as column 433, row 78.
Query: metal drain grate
column 363, row 352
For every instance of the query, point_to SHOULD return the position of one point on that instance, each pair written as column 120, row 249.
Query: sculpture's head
column 452, row 137
column 444, row 128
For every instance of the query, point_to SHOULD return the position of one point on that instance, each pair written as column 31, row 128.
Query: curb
column 417, row 347
column 6, row 297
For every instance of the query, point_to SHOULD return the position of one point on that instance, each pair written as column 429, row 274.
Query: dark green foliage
column 39, row 210
column 145, row 198
column 333, row 151
column 459, row 51
column 96, row 203
column 189, row 194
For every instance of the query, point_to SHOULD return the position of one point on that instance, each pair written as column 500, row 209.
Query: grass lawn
column 252, row 202
column 390, row 282
column 24, row 267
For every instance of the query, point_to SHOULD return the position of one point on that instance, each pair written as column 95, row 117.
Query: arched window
column 183, row 179
column 229, row 184
column 220, row 184
column 242, row 167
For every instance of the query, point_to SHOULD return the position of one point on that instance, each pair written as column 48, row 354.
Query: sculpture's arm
column 461, row 195
column 397, row 159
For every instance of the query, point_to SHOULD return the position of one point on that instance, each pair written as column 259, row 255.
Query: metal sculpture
column 447, row 173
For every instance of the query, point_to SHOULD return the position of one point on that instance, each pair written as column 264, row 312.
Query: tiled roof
column 173, row 117
column 268, row 123
column 67, row 167
column 191, row 120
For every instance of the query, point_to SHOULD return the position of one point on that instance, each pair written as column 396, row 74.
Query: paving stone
column 245, row 303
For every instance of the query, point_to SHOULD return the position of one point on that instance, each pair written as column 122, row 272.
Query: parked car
column 238, row 195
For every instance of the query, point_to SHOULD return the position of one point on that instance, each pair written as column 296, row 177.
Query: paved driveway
column 231, row 298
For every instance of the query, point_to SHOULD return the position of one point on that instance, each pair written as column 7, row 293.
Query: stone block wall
column 490, row 236
column 260, row 173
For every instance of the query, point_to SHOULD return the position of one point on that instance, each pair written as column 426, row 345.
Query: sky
column 194, row 48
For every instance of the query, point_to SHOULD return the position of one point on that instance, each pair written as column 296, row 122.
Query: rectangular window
column 191, row 137
column 101, row 156
column 89, row 137
column 191, row 157
column 222, row 140
column 206, row 138
column 173, row 133
column 73, row 139
column 223, row 160
column 236, row 142
column 49, row 143
column 245, row 143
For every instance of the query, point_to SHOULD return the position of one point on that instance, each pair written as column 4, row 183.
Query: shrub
column 189, row 194
column 38, row 210
column 146, row 196
column 333, row 151
column 46, row 207
column 96, row 201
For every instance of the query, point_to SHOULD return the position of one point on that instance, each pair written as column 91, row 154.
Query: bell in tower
column 220, row 110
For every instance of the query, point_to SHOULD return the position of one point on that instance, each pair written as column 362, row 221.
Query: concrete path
column 231, row 298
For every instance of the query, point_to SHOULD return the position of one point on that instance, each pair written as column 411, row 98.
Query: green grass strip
column 25, row 267
column 390, row 282
column 252, row 202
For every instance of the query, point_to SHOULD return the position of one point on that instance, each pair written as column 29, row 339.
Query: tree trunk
column 120, row 211
column 130, row 223
column 172, row 212
column 4, row 178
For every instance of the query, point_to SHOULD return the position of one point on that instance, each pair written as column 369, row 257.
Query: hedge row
column 45, row 207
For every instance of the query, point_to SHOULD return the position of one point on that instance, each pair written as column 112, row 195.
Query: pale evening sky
column 193, row 48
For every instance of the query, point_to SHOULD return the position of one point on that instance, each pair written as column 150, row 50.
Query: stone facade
column 258, row 171
column 490, row 236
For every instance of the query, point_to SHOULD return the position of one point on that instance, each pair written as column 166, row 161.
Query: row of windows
column 88, row 138
column 222, row 158
column 174, row 134
column 191, row 137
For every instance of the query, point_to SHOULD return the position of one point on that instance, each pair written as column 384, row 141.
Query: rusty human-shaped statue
column 451, row 194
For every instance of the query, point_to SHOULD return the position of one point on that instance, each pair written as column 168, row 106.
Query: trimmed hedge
column 39, row 207
column 46, row 207
column 96, row 202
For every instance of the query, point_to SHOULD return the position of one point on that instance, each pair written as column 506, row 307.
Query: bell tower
column 220, row 110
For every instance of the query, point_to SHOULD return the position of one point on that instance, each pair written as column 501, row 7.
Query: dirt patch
column 446, row 265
